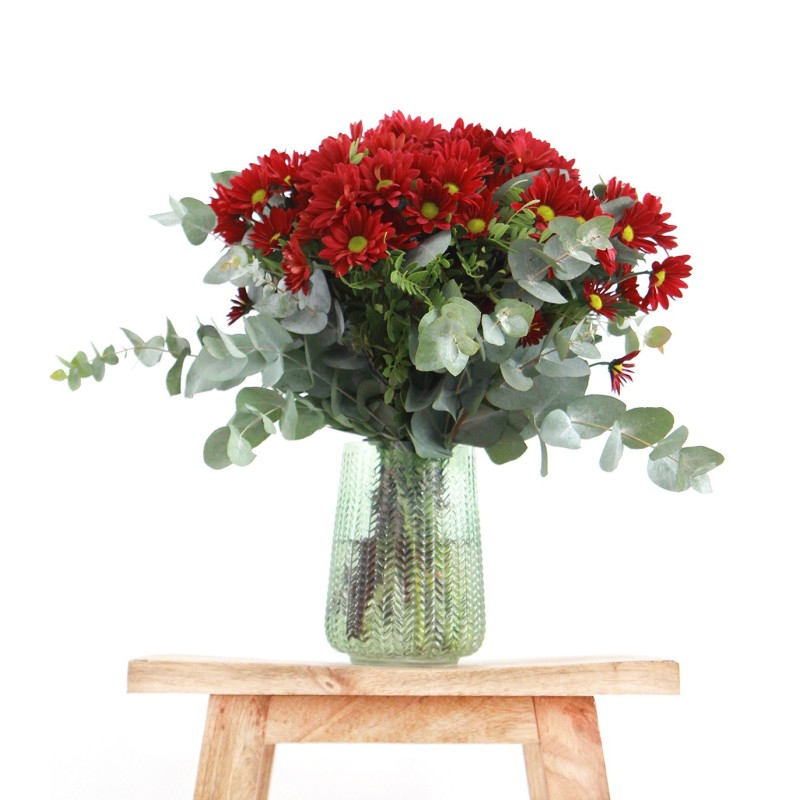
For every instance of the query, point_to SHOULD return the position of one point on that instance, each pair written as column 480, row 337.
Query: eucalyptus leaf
column 643, row 427
column 557, row 430
column 149, row 353
column 657, row 337
column 482, row 429
column 299, row 419
column 514, row 376
column 215, row 451
column 429, row 431
column 666, row 473
column 594, row 414
column 672, row 443
column 429, row 250
column 174, row 375
column 198, row 221
column 698, row 461
column 267, row 335
column 612, row 450
column 238, row 449
column 508, row 447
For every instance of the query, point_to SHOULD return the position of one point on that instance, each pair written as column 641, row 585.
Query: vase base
column 445, row 661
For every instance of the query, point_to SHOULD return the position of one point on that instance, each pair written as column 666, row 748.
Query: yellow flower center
column 452, row 187
column 660, row 277
column 616, row 368
column 546, row 213
column 627, row 233
column 383, row 184
column 357, row 244
column 258, row 196
column 288, row 180
column 581, row 220
column 476, row 225
column 429, row 210
column 595, row 302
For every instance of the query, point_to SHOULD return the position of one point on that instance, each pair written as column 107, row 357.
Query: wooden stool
column 547, row 706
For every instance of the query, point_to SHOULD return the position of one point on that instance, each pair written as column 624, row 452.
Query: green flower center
column 546, row 213
column 627, row 233
column 660, row 277
column 429, row 210
column 384, row 184
column 357, row 244
column 595, row 302
column 452, row 188
column 476, row 225
column 258, row 196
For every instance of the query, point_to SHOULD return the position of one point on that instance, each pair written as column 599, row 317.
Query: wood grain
column 235, row 758
column 570, row 750
column 553, row 678
column 416, row 720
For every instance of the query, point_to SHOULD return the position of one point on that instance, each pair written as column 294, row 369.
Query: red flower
column 230, row 226
column 281, row 169
column 475, row 214
column 521, row 152
column 334, row 193
column 621, row 370
column 396, row 131
column 600, row 299
column 616, row 188
column 644, row 225
column 386, row 177
column 430, row 207
column 666, row 281
column 537, row 330
column 250, row 190
column 295, row 267
column 552, row 194
column 242, row 304
column 359, row 238
column 268, row 232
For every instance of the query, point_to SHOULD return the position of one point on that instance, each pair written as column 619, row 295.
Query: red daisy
column 628, row 288
column 616, row 188
column 666, row 281
column 230, row 225
column 521, row 152
column 410, row 133
column 386, row 177
column 296, row 271
column 537, row 330
column 644, row 225
column 475, row 214
column 282, row 169
column 359, row 238
column 430, row 207
column 242, row 304
column 621, row 370
column 267, row 232
column 552, row 194
column 600, row 298
column 250, row 190
column 333, row 150
column 334, row 193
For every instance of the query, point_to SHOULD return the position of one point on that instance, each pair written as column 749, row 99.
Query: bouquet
column 430, row 286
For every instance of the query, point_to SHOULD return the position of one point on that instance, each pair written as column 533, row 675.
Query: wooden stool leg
column 567, row 762
column 235, row 761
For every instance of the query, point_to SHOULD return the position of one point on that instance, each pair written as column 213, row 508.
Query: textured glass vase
column 406, row 580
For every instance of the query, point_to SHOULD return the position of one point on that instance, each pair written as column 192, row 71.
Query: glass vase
column 406, row 579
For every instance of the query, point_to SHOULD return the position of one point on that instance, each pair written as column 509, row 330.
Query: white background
column 118, row 542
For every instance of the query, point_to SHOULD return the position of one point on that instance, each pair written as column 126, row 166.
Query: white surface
column 118, row 542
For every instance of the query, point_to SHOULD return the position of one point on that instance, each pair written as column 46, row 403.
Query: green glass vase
column 406, row 579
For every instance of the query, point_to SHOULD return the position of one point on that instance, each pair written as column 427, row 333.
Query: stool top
column 571, row 677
